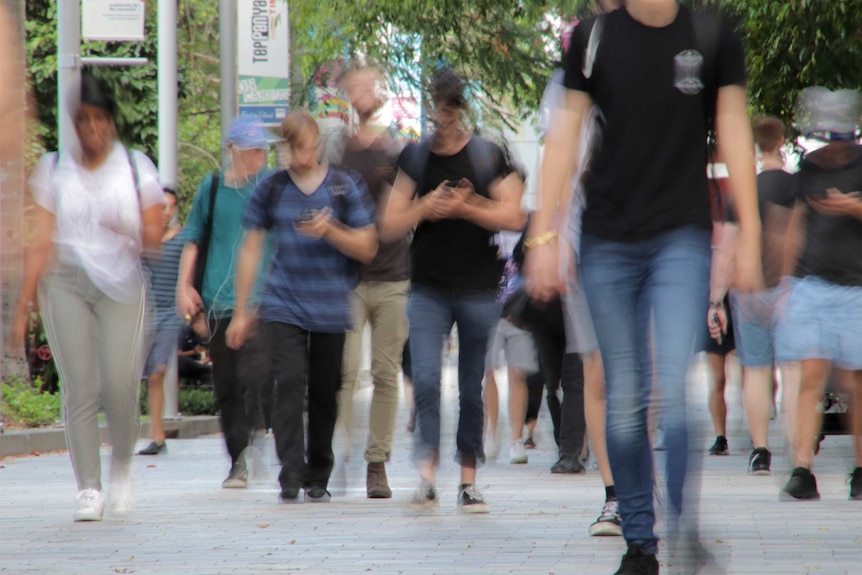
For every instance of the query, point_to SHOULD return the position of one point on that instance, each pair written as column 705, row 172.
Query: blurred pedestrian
column 97, row 209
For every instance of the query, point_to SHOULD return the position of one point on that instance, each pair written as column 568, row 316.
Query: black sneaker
column 638, row 561
column 316, row 493
column 154, row 449
column 289, row 495
column 801, row 485
column 470, row 500
column 856, row 484
column 720, row 446
column 760, row 461
column 567, row 464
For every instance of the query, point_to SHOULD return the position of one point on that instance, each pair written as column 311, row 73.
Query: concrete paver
column 185, row 523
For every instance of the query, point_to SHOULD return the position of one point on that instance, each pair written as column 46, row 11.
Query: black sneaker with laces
column 801, row 486
column 760, row 462
column 154, row 449
column 638, row 561
column 856, row 484
column 317, row 493
column 470, row 500
column 289, row 495
column 720, row 446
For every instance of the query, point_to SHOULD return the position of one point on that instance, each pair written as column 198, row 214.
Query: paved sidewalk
column 185, row 523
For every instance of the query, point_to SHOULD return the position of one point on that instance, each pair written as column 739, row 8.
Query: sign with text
column 113, row 20
column 263, row 59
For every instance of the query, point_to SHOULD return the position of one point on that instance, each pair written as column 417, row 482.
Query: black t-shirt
column 648, row 174
column 833, row 244
column 452, row 254
column 376, row 165
column 776, row 195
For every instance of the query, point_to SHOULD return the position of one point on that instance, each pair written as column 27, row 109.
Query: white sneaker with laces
column 517, row 452
column 91, row 505
column 608, row 523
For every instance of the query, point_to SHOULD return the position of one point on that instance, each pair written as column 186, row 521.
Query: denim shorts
column 580, row 332
column 754, row 327
column 821, row 320
column 164, row 345
column 515, row 344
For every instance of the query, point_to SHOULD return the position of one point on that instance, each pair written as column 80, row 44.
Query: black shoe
column 801, row 485
column 154, row 449
column 567, row 464
column 856, row 484
column 289, row 495
column 470, row 500
column 317, row 493
column 760, row 461
column 720, row 446
column 638, row 561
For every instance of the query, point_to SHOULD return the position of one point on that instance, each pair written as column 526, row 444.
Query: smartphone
column 717, row 321
column 452, row 183
column 305, row 217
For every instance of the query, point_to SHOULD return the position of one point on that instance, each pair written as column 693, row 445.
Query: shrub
column 192, row 401
column 24, row 405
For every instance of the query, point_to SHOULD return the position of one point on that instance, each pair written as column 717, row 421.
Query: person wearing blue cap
column 205, row 288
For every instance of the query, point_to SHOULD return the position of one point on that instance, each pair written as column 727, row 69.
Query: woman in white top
column 94, row 211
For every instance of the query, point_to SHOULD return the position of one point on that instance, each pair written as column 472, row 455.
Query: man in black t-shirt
column 456, row 190
column 657, row 72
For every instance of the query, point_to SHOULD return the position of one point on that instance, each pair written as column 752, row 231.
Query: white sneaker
column 122, row 495
column 517, row 452
column 91, row 505
column 492, row 445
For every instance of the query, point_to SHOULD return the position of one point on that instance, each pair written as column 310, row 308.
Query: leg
column 595, row 406
column 229, row 393
column 289, row 353
column 572, row 419
column 808, row 417
column 550, row 352
column 492, row 412
column 156, row 405
column 535, row 386
column 351, row 362
column 791, row 376
column 325, row 354
column 431, row 320
column 255, row 376
column 388, row 333
column 70, row 325
column 757, row 394
column 717, row 402
column 517, row 403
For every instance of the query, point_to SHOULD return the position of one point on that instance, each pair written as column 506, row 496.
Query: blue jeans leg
column 431, row 320
column 661, row 282
column 475, row 314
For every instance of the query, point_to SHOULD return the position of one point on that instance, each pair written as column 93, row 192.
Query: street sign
column 263, row 59
column 113, row 20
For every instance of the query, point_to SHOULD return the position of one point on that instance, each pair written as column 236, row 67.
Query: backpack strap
column 483, row 159
column 208, row 223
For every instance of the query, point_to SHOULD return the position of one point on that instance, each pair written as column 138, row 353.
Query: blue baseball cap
column 249, row 134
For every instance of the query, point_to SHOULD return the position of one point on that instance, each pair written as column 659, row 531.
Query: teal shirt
column 225, row 242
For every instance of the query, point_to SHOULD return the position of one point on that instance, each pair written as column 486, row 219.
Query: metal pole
column 167, row 63
column 227, row 32
column 68, row 68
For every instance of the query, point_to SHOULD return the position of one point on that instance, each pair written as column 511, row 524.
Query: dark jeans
column 238, row 377
column 303, row 360
column 648, row 300
column 432, row 313
column 193, row 370
column 566, row 371
column 535, row 386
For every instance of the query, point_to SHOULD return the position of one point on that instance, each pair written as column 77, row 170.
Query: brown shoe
column 375, row 482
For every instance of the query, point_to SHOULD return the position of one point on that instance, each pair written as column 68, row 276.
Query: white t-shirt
column 98, row 215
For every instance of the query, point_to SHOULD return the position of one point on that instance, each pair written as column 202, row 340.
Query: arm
column 541, row 265
column 152, row 228
column 502, row 211
column 188, row 299
column 720, row 275
column 246, row 269
column 735, row 145
column 359, row 244
column 401, row 212
column 36, row 256
column 794, row 239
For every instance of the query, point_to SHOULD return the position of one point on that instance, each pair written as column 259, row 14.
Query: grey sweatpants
column 97, row 344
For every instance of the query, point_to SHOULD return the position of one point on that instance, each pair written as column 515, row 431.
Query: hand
column 542, row 271
column 748, row 272
column 240, row 329
column 318, row 226
column 836, row 203
column 189, row 301
column 716, row 319
column 18, row 334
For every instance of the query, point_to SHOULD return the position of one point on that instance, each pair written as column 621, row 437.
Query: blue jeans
column 657, row 287
column 432, row 313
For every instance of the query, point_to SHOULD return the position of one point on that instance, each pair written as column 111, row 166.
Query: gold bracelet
column 541, row 239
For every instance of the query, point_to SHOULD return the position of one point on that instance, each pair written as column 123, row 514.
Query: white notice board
column 115, row 20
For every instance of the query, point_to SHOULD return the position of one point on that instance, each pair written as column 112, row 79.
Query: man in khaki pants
column 380, row 299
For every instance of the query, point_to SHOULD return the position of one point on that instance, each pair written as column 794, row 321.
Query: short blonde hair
column 297, row 123
column 768, row 133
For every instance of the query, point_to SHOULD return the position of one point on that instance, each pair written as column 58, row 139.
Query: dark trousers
column 566, row 371
column 305, row 360
column 238, row 378
column 535, row 387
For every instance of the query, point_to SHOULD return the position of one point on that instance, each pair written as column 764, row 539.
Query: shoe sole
column 424, row 507
column 86, row 517
column 606, row 529
column 785, row 496
column 475, row 508
column 234, row 484
column 379, row 495
column 720, row 453
column 761, row 472
column 518, row 460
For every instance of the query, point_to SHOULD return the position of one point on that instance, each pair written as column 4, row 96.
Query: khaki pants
column 383, row 305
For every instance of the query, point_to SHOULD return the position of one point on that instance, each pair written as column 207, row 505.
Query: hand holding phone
column 305, row 217
column 717, row 322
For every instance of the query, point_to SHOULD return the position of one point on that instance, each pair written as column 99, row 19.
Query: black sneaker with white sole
column 470, row 500
column 855, row 480
column 760, row 461
column 801, row 486
column 638, row 561
column 316, row 493
column 720, row 446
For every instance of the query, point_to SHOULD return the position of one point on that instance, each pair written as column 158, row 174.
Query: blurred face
column 95, row 129
column 445, row 117
column 248, row 162
column 362, row 90
column 305, row 151
column 169, row 210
